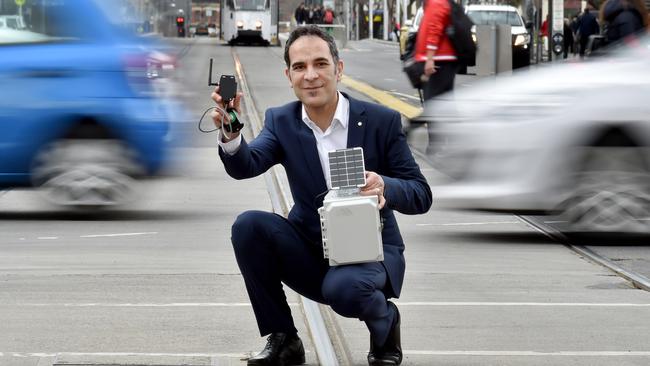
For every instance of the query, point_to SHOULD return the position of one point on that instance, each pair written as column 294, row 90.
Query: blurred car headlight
column 258, row 24
column 474, row 37
column 240, row 24
column 522, row 39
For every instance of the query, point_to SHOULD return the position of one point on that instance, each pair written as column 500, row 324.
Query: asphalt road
column 158, row 280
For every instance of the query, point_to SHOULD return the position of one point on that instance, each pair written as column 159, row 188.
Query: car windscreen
column 250, row 4
column 484, row 17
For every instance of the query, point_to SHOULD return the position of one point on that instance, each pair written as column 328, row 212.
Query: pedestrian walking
column 568, row 38
column 328, row 16
column 623, row 18
column 433, row 47
column 272, row 250
column 587, row 25
column 319, row 13
column 396, row 29
column 545, row 33
column 299, row 14
column 574, row 29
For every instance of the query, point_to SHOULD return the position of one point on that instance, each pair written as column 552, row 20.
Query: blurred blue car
column 84, row 107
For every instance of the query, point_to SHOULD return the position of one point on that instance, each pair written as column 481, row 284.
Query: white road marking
column 113, row 354
column 529, row 353
column 555, row 222
column 407, row 352
column 479, row 303
column 473, row 223
column 47, row 237
column 118, row 234
column 406, row 95
column 401, row 303
column 137, row 305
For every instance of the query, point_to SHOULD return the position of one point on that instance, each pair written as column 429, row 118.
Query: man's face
column 312, row 72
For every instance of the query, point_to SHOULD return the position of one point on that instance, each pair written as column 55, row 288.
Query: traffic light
column 180, row 26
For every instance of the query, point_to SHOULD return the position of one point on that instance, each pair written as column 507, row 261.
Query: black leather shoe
column 280, row 350
column 390, row 354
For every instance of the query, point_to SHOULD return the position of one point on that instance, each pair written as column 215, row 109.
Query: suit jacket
column 286, row 139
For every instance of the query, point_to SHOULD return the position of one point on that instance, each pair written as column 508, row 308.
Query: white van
column 508, row 15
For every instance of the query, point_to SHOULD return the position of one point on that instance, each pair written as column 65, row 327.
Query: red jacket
column 431, row 34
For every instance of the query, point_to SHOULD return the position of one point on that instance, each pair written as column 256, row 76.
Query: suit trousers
column 270, row 251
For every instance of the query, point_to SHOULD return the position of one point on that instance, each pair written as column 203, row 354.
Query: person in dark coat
column 300, row 14
column 623, row 18
column 587, row 25
column 568, row 38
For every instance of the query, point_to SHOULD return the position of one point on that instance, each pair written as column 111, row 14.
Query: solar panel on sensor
column 347, row 168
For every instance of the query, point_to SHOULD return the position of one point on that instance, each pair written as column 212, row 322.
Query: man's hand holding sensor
column 374, row 187
column 222, row 117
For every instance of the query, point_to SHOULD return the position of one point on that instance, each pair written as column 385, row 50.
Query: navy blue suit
column 271, row 249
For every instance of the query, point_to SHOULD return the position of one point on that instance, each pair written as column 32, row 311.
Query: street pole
column 346, row 10
column 398, row 16
column 386, row 15
column 357, row 21
column 371, row 33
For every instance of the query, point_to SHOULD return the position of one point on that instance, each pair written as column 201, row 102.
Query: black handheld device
column 227, row 90
column 227, row 87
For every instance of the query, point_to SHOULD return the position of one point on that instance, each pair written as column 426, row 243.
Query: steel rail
column 639, row 281
column 281, row 201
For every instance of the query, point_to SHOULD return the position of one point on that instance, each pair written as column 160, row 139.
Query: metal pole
column 371, row 5
column 356, row 29
column 549, row 30
column 385, row 15
column 346, row 6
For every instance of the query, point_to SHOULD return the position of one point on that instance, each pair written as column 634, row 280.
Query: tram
column 247, row 21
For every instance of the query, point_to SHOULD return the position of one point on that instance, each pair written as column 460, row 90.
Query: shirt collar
column 342, row 113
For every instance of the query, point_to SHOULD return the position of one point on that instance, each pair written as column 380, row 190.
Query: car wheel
column 86, row 172
column 611, row 193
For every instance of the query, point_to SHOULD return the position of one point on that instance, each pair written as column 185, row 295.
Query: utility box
column 351, row 229
column 494, row 54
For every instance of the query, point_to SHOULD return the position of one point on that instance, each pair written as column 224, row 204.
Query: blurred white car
column 569, row 138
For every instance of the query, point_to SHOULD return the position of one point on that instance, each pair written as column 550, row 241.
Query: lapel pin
column 359, row 123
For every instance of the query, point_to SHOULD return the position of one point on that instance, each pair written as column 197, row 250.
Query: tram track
column 638, row 280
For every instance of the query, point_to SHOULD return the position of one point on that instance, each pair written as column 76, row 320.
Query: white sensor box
column 351, row 229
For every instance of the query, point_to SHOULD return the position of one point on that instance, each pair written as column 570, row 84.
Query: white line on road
column 473, row 223
column 406, row 352
column 136, row 305
column 401, row 303
column 47, row 237
column 405, row 95
column 113, row 354
column 529, row 353
column 467, row 303
column 118, row 234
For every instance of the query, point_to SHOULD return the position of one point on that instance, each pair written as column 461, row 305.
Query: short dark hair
column 311, row 30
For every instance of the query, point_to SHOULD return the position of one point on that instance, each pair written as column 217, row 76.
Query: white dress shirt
column 334, row 138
